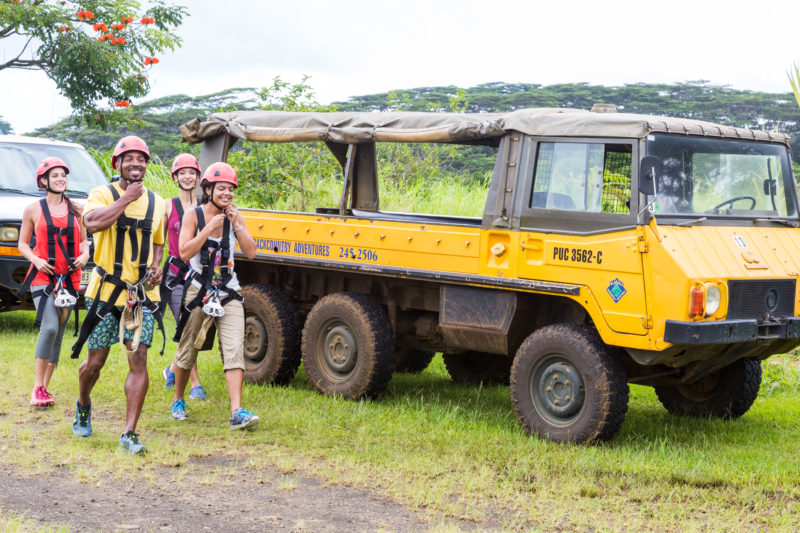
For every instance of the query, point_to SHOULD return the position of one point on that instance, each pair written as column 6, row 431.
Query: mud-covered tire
column 567, row 387
column 347, row 347
column 727, row 393
column 474, row 368
column 411, row 360
column 271, row 336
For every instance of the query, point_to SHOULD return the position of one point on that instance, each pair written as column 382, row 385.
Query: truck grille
column 761, row 299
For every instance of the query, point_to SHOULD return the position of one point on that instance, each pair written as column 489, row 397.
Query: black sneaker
column 129, row 443
column 82, row 425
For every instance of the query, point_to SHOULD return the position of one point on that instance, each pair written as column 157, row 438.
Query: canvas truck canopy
column 481, row 128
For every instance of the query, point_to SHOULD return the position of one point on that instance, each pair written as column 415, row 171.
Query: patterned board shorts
column 106, row 333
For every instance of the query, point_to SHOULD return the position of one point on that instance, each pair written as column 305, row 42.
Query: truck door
column 577, row 226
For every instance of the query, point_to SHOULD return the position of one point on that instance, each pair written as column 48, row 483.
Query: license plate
column 85, row 275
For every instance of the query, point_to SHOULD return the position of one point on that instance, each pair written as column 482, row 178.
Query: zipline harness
column 126, row 227
column 66, row 294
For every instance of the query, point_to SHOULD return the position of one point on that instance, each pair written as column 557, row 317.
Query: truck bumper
column 8, row 266
column 729, row 331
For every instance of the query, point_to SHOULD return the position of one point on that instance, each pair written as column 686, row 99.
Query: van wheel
column 566, row 387
column 411, row 360
column 348, row 348
column 474, row 368
column 727, row 393
column 271, row 336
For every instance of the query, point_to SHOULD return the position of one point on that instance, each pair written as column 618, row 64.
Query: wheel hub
column 557, row 389
column 255, row 336
column 340, row 349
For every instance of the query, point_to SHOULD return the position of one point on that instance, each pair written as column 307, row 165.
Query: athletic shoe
column 178, row 410
column 49, row 396
column 243, row 418
column 169, row 377
column 130, row 444
column 82, row 425
column 40, row 398
column 198, row 393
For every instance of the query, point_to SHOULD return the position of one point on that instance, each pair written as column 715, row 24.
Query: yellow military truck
column 613, row 249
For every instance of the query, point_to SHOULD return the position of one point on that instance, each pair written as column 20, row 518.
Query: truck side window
column 592, row 177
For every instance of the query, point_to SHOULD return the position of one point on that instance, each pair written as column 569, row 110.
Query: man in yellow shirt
column 126, row 221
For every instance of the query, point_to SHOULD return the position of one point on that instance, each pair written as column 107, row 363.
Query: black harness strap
column 126, row 226
column 55, row 235
column 183, row 267
column 210, row 249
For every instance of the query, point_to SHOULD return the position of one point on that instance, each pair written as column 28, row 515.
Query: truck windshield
column 719, row 177
column 20, row 160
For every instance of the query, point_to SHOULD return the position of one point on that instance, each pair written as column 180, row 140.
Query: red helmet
column 131, row 143
column 219, row 172
column 47, row 164
column 185, row 161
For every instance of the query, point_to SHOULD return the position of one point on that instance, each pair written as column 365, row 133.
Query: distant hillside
column 158, row 120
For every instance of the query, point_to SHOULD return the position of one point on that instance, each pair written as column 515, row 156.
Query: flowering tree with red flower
column 96, row 51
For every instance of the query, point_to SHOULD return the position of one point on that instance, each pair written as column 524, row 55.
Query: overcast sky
column 352, row 48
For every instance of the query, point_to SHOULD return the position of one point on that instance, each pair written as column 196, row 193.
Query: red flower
column 122, row 40
column 127, row 20
column 63, row 28
column 100, row 27
column 150, row 60
column 123, row 103
column 118, row 27
column 87, row 15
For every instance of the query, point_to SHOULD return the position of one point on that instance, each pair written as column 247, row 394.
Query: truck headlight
column 713, row 298
column 9, row 234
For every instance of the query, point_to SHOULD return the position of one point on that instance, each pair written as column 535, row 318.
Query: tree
column 96, row 51
column 794, row 79
column 5, row 127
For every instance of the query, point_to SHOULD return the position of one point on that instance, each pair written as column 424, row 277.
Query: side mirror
column 649, row 168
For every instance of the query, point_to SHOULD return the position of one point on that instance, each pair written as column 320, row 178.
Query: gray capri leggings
column 48, row 345
column 176, row 297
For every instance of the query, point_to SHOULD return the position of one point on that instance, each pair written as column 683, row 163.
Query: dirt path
column 242, row 501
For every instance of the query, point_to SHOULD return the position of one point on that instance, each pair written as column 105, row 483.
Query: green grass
column 13, row 523
column 443, row 449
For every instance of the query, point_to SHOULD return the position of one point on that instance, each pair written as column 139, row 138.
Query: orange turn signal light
column 696, row 297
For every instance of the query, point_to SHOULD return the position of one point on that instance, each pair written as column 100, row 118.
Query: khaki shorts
column 230, row 330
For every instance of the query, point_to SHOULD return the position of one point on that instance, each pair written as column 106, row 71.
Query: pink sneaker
column 49, row 396
column 40, row 398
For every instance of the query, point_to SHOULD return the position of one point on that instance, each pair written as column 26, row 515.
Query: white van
column 19, row 157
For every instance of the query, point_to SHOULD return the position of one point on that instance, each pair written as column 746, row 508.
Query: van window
column 593, row 177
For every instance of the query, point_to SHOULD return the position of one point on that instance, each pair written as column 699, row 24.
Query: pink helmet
column 219, row 172
column 47, row 164
column 131, row 143
column 185, row 161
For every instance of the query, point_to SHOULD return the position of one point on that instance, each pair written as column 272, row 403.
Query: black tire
column 271, row 336
column 474, row 368
column 567, row 387
column 348, row 348
column 727, row 393
column 411, row 361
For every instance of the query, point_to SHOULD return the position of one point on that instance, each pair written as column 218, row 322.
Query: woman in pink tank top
column 185, row 172
column 61, row 250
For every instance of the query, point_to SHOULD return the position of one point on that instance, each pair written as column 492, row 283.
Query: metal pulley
column 211, row 305
column 62, row 296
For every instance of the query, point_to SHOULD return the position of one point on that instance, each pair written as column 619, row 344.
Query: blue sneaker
column 178, row 410
column 130, row 444
column 169, row 377
column 198, row 393
column 82, row 425
column 243, row 418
